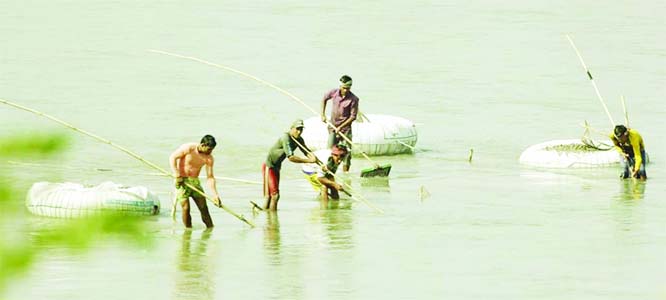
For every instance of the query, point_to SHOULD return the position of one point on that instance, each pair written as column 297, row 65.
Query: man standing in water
column 630, row 145
column 186, row 163
column 343, row 113
column 283, row 148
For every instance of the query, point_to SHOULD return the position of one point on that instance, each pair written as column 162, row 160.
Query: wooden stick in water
column 588, row 127
column 626, row 115
column 174, row 206
column 123, row 172
column 407, row 145
column 589, row 75
column 130, row 153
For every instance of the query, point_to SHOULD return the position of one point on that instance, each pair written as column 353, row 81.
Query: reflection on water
column 626, row 210
column 377, row 182
column 333, row 231
column 272, row 237
column 336, row 220
column 194, row 279
column 343, row 203
column 632, row 189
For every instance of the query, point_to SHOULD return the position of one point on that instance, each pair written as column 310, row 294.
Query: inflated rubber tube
column 568, row 154
column 73, row 200
column 378, row 135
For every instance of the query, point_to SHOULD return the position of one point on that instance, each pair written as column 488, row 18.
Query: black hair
column 345, row 78
column 208, row 140
column 619, row 130
column 343, row 147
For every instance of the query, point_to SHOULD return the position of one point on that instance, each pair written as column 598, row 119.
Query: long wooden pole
column 128, row 152
column 279, row 89
column 123, row 172
column 589, row 75
column 589, row 128
column 626, row 115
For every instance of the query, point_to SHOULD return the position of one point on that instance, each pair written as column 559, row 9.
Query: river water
column 493, row 76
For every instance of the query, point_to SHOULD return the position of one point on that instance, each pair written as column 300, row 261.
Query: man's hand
column 323, row 118
column 217, row 201
column 341, row 189
column 179, row 181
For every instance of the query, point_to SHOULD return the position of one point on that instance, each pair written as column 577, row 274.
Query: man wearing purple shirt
column 343, row 113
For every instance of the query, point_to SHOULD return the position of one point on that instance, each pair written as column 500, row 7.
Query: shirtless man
column 186, row 163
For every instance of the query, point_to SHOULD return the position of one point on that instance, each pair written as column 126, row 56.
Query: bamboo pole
column 124, row 172
column 626, row 115
column 412, row 148
column 589, row 75
column 174, row 205
column 349, row 192
column 589, row 128
column 279, row 89
column 128, row 152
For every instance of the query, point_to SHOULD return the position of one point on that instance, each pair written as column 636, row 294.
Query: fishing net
column 587, row 144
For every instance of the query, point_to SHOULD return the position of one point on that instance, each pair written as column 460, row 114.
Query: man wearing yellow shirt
column 630, row 145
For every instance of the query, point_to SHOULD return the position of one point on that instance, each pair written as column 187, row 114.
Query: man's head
column 620, row 132
column 338, row 152
column 207, row 144
column 345, row 83
column 296, row 128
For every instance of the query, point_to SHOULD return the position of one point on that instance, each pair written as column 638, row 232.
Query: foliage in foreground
column 19, row 252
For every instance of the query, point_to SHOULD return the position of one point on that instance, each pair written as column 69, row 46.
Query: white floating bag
column 378, row 135
column 572, row 153
column 73, row 200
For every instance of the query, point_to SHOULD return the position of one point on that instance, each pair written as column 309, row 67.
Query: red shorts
column 271, row 181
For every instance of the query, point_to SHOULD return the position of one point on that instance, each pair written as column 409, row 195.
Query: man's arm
column 305, row 150
column 173, row 162
column 617, row 144
column 327, row 97
column 297, row 159
column 635, row 140
column 210, row 179
column 300, row 160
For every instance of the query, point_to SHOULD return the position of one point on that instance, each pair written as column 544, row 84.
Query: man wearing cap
column 630, row 143
column 283, row 148
column 343, row 113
